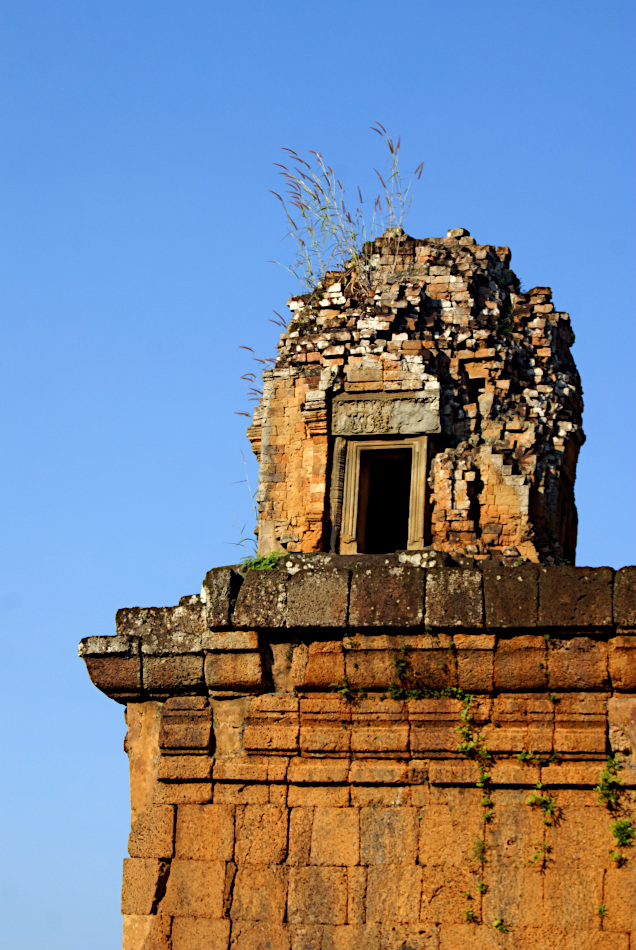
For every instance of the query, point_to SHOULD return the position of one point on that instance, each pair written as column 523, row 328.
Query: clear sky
column 136, row 228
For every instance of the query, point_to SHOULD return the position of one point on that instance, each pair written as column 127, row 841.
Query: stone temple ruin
column 411, row 723
column 443, row 411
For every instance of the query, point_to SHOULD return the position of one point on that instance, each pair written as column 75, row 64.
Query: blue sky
column 136, row 227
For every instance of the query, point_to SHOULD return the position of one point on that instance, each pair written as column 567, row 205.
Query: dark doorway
column 383, row 502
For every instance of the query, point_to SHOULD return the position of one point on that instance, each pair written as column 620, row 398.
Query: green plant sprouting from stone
column 609, row 783
column 546, row 803
column 328, row 232
column 261, row 562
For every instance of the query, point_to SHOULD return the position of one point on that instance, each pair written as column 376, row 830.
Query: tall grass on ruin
column 328, row 233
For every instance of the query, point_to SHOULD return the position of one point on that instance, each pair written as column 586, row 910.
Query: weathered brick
column 260, row 893
column 152, row 835
column 521, row 663
column 205, row 832
column 140, row 883
column 335, row 838
column 577, row 663
column 242, row 672
column 195, row 889
column 193, row 933
column 317, row 895
column 622, row 662
column 261, row 834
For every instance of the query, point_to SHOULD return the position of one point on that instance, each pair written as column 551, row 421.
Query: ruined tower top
column 440, row 409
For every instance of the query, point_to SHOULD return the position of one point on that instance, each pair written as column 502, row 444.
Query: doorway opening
column 383, row 501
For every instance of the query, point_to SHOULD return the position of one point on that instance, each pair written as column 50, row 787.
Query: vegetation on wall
column 330, row 233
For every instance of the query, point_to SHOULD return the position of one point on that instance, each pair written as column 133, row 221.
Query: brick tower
column 443, row 411
column 413, row 730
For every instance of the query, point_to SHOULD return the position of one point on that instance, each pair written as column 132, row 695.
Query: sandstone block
column 260, row 893
column 577, row 663
column 195, row 889
column 625, row 597
column 378, row 772
column 516, row 898
column 186, row 724
column 234, row 794
column 234, row 640
column 218, row 594
column 475, row 661
column 272, row 724
column 580, row 723
column 380, row 728
column 167, row 675
column 325, row 725
column 388, row 836
column 325, row 665
column 185, row 768
column 369, row 669
column 511, row 595
column 622, row 662
column 454, row 598
column 242, row 672
column 261, row 935
column 195, row 933
column 152, row 835
column 140, row 883
column 318, row 598
column 262, row 600
column 579, row 839
column 317, row 895
column 152, row 932
column 318, row 771
column 449, row 825
column 619, row 896
column 320, row 796
column 387, row 596
column 335, row 838
column 513, row 837
column 395, row 896
column 434, row 725
column 205, row 832
column 580, row 892
column 421, row 936
column 575, row 596
column 443, row 895
column 300, row 825
column 117, row 676
column 521, row 663
column 433, row 668
column 261, row 834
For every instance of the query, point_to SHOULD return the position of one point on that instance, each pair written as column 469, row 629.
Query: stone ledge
column 477, row 626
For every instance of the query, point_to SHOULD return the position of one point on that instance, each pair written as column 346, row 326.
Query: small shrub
column 608, row 788
column 261, row 562
column 624, row 831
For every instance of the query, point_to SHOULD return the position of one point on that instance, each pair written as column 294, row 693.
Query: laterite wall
column 296, row 777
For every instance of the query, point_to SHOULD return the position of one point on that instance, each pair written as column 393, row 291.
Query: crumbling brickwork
column 359, row 754
column 447, row 320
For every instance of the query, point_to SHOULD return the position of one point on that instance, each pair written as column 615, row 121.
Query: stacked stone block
column 296, row 780
column 446, row 312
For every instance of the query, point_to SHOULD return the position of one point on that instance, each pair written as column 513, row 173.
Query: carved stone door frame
column 351, row 489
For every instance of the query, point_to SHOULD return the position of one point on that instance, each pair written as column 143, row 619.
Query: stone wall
column 447, row 321
column 356, row 753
